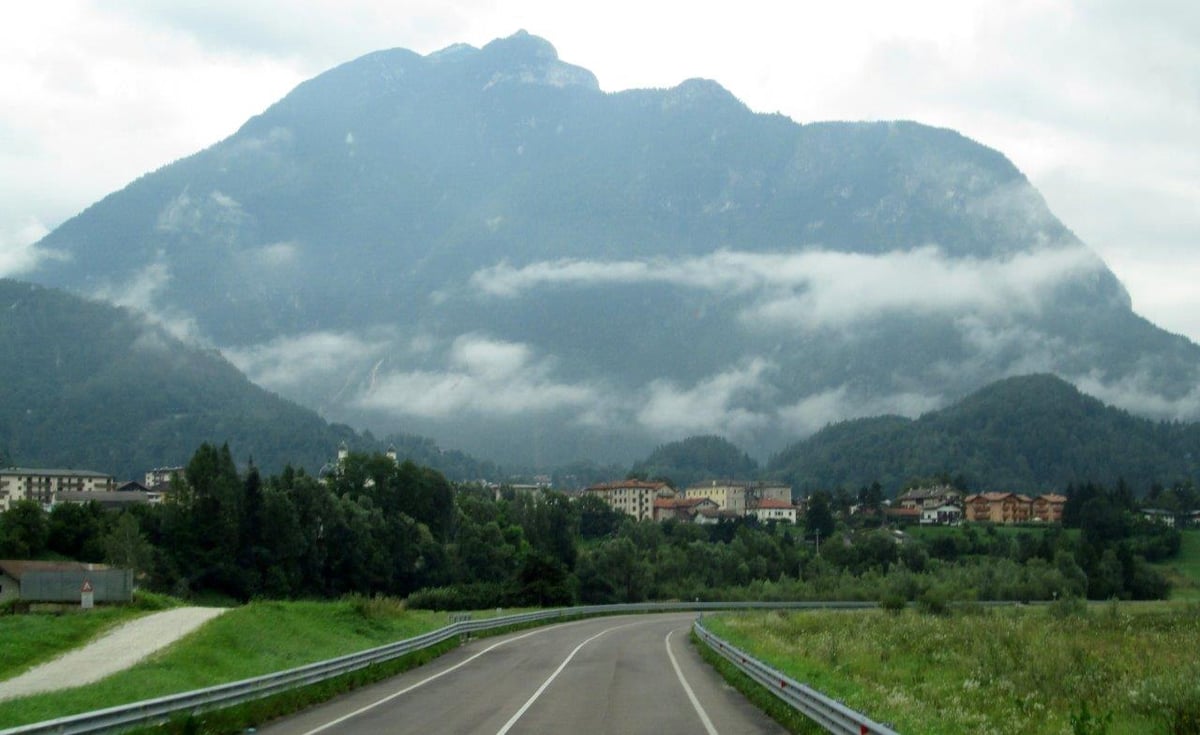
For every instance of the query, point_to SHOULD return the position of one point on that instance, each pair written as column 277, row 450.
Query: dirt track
column 117, row 650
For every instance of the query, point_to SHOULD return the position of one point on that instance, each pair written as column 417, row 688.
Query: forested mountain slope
column 1034, row 433
column 90, row 386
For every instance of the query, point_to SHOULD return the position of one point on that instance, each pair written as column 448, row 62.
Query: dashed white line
column 708, row 726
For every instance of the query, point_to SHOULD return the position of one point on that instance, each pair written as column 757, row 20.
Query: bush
column 893, row 602
column 479, row 596
column 934, row 601
column 152, row 601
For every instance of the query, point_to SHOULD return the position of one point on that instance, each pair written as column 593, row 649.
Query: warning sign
column 86, row 597
column 87, row 586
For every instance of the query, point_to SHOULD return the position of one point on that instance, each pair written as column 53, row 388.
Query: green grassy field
column 1184, row 570
column 1011, row 670
column 258, row 638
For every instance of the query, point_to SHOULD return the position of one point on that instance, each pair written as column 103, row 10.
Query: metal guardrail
column 830, row 714
column 156, row 711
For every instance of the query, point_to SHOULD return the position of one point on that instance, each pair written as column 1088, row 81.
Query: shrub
column 893, row 602
column 934, row 601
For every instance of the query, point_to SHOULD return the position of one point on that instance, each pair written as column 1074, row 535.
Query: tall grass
column 993, row 670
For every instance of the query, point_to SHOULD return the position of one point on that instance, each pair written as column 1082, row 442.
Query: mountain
column 1034, row 433
column 696, row 459
column 481, row 246
column 87, row 385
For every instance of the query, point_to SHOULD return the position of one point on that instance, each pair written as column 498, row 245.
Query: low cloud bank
column 483, row 376
column 824, row 289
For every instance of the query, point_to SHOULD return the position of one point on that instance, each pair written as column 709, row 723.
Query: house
column 1157, row 515
column 929, row 497
column 942, row 515
column 708, row 516
column 41, row 485
column 683, row 509
column 739, row 495
column 771, row 509
column 59, row 581
column 633, row 497
column 162, row 476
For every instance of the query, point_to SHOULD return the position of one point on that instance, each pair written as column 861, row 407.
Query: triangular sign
column 87, row 586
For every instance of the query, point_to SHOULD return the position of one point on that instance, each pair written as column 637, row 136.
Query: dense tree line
column 380, row 527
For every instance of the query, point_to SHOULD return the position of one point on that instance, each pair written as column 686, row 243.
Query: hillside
column 481, row 246
column 91, row 386
column 1034, row 433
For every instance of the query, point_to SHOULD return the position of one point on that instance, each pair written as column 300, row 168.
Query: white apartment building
column 18, row 483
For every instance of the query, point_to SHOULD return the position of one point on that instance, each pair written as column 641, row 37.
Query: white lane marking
column 423, row 682
column 708, row 726
column 529, row 703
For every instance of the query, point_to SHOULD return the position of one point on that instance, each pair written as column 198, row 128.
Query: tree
column 25, row 531
column 126, row 546
column 818, row 519
column 597, row 519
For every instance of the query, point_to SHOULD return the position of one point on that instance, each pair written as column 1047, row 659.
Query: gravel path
column 113, row 652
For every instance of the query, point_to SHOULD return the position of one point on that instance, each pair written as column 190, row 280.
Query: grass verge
column 775, row 707
column 995, row 670
column 258, row 638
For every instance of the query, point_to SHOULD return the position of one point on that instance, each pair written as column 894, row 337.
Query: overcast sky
column 1097, row 102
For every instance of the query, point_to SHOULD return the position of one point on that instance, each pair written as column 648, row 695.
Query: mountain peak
column 529, row 59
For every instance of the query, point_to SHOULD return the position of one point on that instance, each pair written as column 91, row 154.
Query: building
column 738, row 496
column 1013, row 508
column 162, row 476
column 942, row 515
column 59, row 581
column 633, row 497
column 682, row 509
column 17, row 483
column 1049, row 507
column 771, row 509
column 929, row 497
column 110, row 501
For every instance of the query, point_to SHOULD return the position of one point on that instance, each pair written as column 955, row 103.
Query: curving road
column 622, row 674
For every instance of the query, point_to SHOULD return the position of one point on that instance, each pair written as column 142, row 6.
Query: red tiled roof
column 773, row 504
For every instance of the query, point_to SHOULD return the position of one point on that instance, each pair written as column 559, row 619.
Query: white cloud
column 813, row 412
column 17, row 251
column 1136, row 393
column 817, row 288
column 294, row 362
column 483, row 376
column 141, row 294
column 716, row 405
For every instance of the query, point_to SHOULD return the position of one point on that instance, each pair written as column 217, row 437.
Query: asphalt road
column 622, row 674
